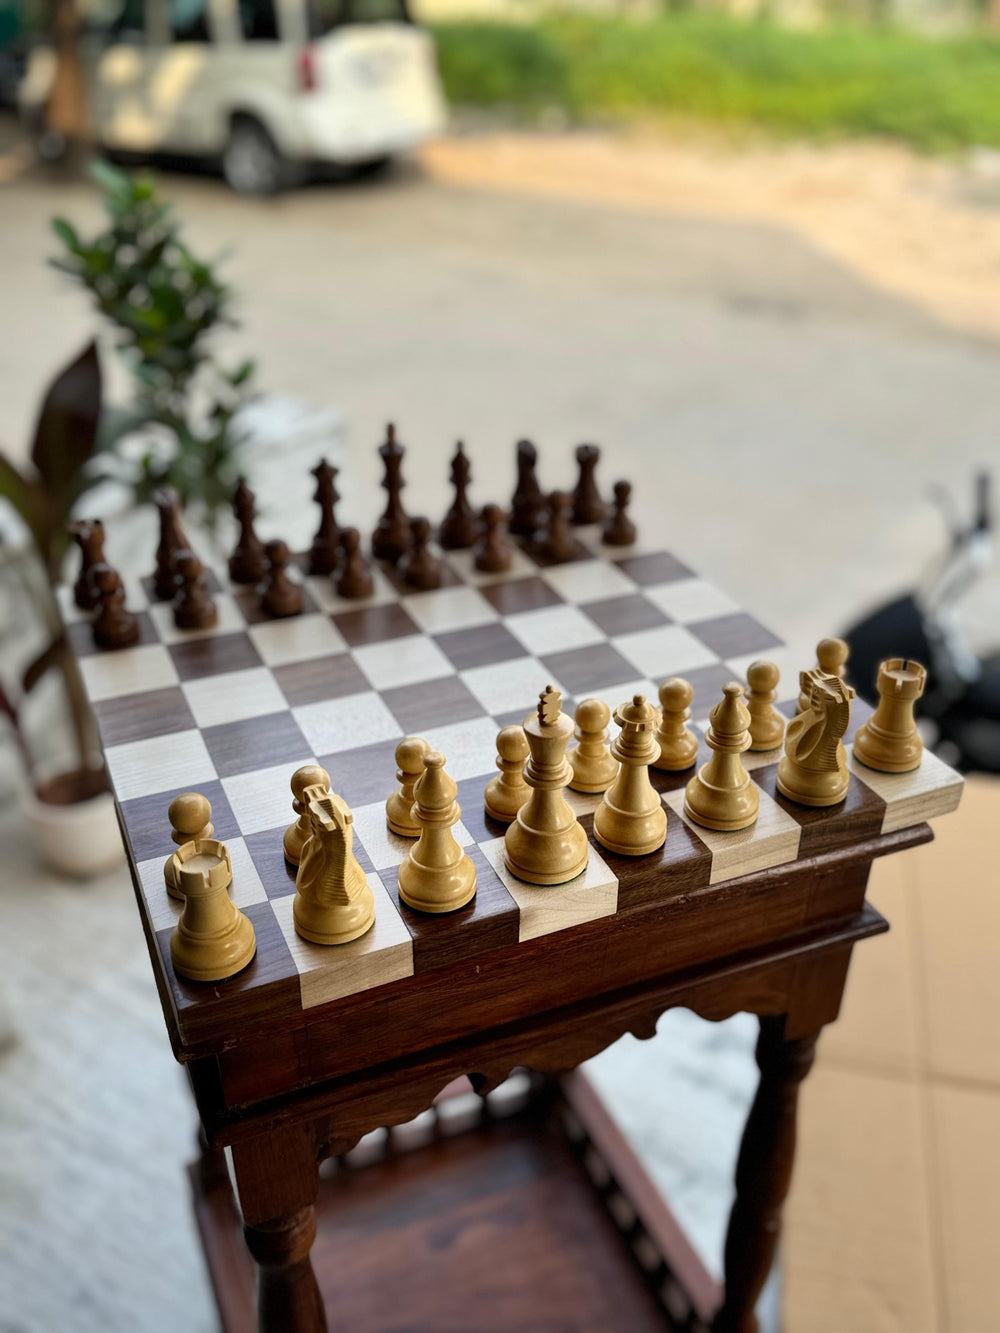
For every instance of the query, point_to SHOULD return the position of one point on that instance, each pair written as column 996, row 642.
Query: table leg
column 763, row 1174
column 277, row 1177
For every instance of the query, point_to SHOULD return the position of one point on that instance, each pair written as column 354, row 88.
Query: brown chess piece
column 619, row 530
column 325, row 550
column 588, row 507
column 355, row 577
column 280, row 596
column 392, row 536
column 88, row 533
column 557, row 543
column 172, row 541
column 527, row 504
column 459, row 528
column 493, row 554
column 193, row 605
column 419, row 566
column 247, row 564
column 114, row 626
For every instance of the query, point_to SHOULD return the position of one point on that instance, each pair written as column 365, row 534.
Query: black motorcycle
column 959, row 713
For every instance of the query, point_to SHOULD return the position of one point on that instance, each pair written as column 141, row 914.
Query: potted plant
column 68, row 805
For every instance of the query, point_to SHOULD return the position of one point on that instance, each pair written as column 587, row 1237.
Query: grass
column 936, row 94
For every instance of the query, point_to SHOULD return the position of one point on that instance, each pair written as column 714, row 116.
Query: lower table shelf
column 523, row 1211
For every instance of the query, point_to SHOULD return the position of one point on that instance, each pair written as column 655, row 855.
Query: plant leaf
column 66, row 434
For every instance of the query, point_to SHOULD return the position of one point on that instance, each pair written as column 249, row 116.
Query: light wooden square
column 297, row 639
column 246, row 888
column 385, row 848
column 685, row 600
column 128, row 671
column 329, row 972
column 449, row 609
column 324, row 594
column 463, row 563
column 544, row 909
column 911, row 798
column 347, row 723
column 588, row 581
column 160, row 763
column 234, row 696
column 230, row 620
column 771, row 841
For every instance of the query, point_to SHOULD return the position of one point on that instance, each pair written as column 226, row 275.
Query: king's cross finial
column 549, row 706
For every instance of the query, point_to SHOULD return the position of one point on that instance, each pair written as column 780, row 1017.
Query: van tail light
column 307, row 69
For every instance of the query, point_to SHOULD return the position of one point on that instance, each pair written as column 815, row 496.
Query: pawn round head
column 623, row 492
column 592, row 715
column 277, row 553
column 309, row 775
column 421, row 529
column 675, row 695
column 586, row 452
column 189, row 812
column 410, row 754
column 187, row 564
column 492, row 516
column 762, row 677
column 832, row 654
column 512, row 745
column 350, row 540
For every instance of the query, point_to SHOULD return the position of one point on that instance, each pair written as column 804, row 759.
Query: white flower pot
column 79, row 839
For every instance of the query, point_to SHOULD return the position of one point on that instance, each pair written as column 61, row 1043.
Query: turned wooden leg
column 287, row 1295
column 763, row 1174
column 277, row 1178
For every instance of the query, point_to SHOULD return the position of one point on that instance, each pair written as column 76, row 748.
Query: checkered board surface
column 233, row 711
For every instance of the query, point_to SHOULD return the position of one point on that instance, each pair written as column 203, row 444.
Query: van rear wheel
column 251, row 161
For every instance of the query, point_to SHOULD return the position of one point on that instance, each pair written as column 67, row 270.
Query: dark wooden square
column 363, row 775
column 267, row 853
column 266, row 990
column 248, row 600
column 582, row 669
column 81, row 636
column 375, row 624
column 320, row 678
column 657, row 567
column 684, row 863
column 734, row 635
column 214, row 655
column 625, row 615
column 148, row 827
column 136, row 717
column 857, row 817
column 237, row 747
column 490, row 921
column 484, row 645
column 707, row 683
column 521, row 595
column 474, row 816
column 432, row 703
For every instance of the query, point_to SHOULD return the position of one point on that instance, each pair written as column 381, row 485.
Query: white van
column 266, row 87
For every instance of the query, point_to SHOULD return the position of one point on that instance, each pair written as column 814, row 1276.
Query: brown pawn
column 193, row 605
column 88, row 533
column 459, row 528
column 190, row 816
column 172, row 542
column 114, row 626
column 355, row 577
column 527, row 505
column 325, row 550
column 588, row 507
column 619, row 530
column 493, row 554
column 767, row 726
column 392, row 536
column 247, row 564
column 419, row 566
column 831, row 659
column 557, row 543
column 280, row 596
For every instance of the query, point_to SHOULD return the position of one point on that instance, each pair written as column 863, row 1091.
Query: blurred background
column 752, row 250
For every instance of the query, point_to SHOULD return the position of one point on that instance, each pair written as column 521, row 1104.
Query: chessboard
column 231, row 712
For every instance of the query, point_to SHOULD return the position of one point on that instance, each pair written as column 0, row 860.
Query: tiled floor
column 894, row 1219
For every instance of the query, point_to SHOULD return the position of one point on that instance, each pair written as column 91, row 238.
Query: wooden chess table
column 526, row 1214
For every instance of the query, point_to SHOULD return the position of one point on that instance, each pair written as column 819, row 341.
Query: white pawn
column 299, row 833
column 678, row 743
column 437, row 876
column 594, row 767
column 767, row 726
column 507, row 792
column 399, row 807
column 190, row 816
